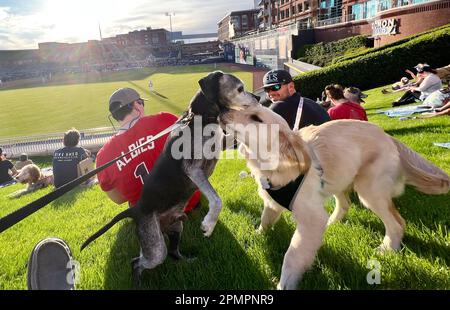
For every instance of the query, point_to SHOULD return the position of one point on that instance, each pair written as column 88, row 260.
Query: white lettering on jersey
column 136, row 149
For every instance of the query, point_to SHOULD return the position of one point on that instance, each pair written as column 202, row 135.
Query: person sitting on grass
column 66, row 159
column 445, row 110
column 7, row 170
column 23, row 161
column 343, row 108
column 431, row 82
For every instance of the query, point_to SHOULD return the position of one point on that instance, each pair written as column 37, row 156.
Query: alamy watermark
column 374, row 275
column 207, row 142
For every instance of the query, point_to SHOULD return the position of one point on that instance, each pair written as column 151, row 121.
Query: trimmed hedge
column 380, row 67
column 376, row 49
column 322, row 54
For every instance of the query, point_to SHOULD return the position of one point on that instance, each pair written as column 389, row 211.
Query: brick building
column 337, row 19
column 236, row 24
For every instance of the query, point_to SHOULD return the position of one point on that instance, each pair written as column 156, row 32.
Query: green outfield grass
column 81, row 100
column 235, row 256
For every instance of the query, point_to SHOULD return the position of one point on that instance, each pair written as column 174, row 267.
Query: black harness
column 285, row 195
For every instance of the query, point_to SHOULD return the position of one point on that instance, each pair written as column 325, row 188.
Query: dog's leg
column 153, row 247
column 342, row 205
column 215, row 203
column 384, row 208
column 174, row 235
column 270, row 215
column 311, row 218
column 393, row 222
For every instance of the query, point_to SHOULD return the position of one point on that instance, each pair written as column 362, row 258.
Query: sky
column 25, row 23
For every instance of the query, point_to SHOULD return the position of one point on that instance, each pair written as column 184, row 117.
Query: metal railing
column 329, row 21
column 46, row 144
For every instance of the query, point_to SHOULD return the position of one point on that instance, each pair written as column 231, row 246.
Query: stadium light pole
column 170, row 14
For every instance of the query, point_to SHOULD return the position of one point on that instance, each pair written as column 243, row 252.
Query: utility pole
column 100, row 31
column 170, row 14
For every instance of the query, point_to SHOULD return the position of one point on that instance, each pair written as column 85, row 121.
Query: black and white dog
column 175, row 178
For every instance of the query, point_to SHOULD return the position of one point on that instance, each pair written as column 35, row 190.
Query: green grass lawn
column 81, row 100
column 235, row 256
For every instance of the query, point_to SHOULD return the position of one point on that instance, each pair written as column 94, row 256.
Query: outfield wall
column 46, row 145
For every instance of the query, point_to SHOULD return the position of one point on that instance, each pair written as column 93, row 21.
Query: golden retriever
column 334, row 158
column 34, row 178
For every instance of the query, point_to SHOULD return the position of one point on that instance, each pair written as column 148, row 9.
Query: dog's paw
column 260, row 230
column 136, row 272
column 208, row 227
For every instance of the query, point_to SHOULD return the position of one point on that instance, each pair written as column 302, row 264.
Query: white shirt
column 430, row 84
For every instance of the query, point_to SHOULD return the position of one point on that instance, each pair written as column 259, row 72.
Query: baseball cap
column 274, row 77
column 422, row 67
column 354, row 93
column 123, row 97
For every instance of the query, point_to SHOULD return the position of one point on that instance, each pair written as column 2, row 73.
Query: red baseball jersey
column 126, row 175
column 348, row 110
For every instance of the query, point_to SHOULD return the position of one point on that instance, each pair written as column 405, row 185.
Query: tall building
column 285, row 25
column 236, row 24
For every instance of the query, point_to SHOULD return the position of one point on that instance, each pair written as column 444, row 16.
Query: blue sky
column 25, row 23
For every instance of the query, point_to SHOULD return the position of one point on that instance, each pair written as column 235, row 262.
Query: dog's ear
column 35, row 173
column 209, row 86
column 293, row 147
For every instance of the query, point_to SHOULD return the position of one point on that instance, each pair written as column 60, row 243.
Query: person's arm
column 413, row 76
column 14, row 171
column 116, row 196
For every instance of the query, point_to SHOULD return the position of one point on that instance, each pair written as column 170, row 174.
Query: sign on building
column 384, row 27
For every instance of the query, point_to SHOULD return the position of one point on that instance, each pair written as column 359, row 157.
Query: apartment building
column 236, row 24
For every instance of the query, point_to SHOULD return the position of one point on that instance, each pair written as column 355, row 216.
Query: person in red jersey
column 123, row 180
column 342, row 107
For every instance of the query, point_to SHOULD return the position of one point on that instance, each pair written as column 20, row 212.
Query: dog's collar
column 284, row 195
column 205, row 118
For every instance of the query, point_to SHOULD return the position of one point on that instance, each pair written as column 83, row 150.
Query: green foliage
column 322, row 54
column 380, row 67
column 377, row 49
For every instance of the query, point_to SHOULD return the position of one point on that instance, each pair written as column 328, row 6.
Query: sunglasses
column 141, row 102
column 275, row 87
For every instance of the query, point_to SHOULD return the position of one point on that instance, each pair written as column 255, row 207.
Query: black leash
column 20, row 214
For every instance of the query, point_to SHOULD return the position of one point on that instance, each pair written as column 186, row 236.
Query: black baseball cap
column 274, row 77
column 122, row 97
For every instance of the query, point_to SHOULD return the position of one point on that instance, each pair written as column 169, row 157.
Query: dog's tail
column 421, row 173
column 127, row 213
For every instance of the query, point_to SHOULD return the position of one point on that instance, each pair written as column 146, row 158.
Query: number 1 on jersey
column 141, row 171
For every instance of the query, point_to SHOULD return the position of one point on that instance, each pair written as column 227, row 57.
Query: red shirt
column 348, row 110
column 126, row 175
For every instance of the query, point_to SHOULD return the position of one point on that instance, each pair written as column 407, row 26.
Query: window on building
column 300, row 7
column 236, row 21
column 282, row 15
column 384, row 5
column 402, row 2
column 287, row 13
column 293, row 8
column 155, row 39
column 282, row 1
column 357, row 12
column 370, row 8
column 244, row 21
column 306, row 5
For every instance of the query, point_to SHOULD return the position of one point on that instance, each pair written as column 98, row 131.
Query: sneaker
column 50, row 266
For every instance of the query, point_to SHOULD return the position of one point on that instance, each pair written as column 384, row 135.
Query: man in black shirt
column 287, row 102
column 65, row 160
column 5, row 167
